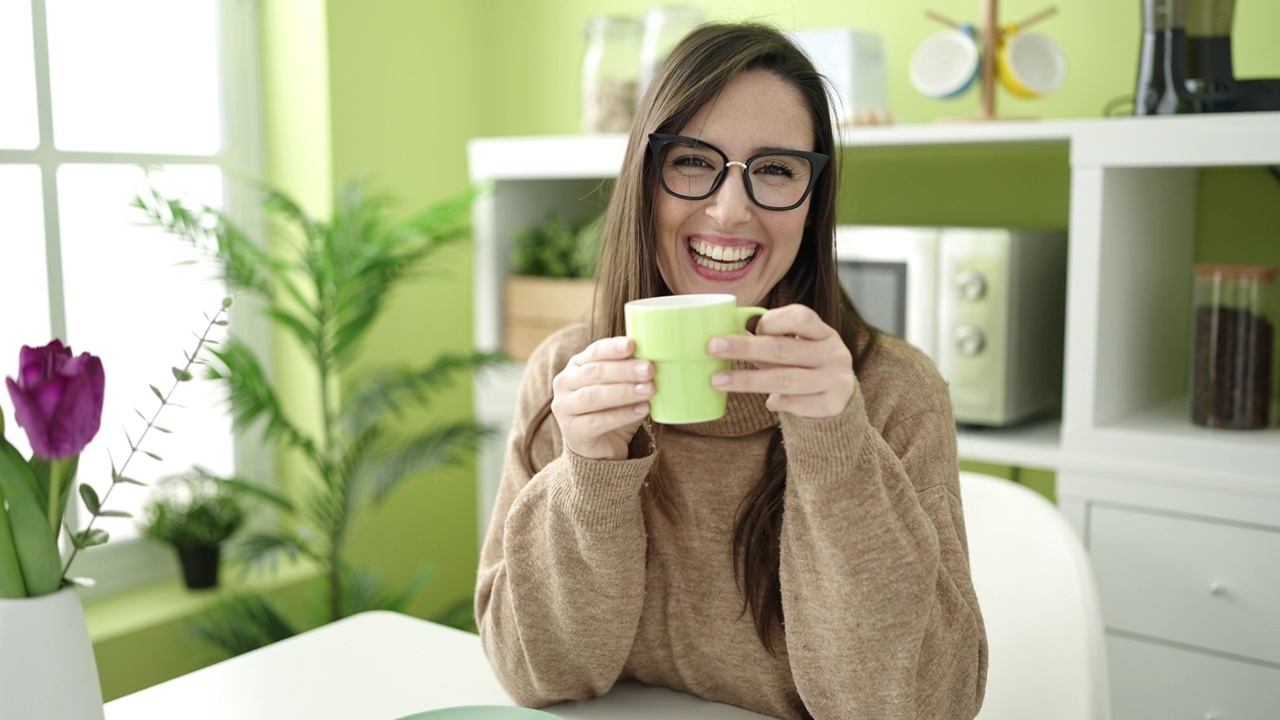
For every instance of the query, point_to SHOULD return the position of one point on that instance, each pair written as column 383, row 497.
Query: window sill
column 141, row 635
column 158, row 603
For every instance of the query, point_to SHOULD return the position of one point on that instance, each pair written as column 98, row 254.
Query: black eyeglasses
column 775, row 179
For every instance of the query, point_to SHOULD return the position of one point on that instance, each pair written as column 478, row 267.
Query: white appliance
column 987, row 304
column 854, row 63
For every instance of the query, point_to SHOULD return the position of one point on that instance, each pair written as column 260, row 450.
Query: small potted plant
column 194, row 513
column 552, row 282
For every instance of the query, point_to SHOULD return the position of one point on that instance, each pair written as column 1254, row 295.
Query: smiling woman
column 801, row 555
column 91, row 91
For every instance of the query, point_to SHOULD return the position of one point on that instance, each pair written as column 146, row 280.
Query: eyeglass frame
column 658, row 142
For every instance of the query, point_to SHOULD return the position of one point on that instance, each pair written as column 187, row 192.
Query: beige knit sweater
column 581, row 584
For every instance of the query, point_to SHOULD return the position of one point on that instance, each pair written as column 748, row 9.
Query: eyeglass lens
column 776, row 180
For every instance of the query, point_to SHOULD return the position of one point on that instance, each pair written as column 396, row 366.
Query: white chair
column 1039, row 603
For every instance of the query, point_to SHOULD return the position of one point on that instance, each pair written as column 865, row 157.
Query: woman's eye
column 775, row 168
column 691, row 161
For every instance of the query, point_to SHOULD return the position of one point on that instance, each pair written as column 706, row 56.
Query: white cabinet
column 1167, row 508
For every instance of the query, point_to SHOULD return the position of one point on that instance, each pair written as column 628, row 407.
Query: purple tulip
column 57, row 399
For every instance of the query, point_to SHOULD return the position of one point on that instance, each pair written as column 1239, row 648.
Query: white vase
column 47, row 668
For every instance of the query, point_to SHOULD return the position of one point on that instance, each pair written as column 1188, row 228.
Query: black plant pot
column 200, row 566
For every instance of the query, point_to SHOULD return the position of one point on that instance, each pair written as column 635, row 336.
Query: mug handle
column 747, row 312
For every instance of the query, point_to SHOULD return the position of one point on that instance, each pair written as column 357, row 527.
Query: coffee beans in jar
column 610, row 69
column 1233, row 346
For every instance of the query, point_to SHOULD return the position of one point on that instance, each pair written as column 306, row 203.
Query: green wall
column 391, row 90
column 405, row 86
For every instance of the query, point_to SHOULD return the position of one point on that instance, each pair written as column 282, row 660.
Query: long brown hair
column 695, row 72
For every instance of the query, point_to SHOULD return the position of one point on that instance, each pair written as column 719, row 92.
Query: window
column 89, row 91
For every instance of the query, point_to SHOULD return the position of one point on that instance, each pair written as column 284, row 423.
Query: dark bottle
column 1210, row 75
column 1162, row 59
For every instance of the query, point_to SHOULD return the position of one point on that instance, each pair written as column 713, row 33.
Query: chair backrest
column 1040, row 605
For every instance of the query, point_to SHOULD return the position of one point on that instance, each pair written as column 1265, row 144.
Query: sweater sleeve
column 880, row 613
column 561, row 580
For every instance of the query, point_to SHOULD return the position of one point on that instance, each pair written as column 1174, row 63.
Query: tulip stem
column 57, row 501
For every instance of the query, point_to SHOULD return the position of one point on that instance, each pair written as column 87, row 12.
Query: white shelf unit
column 1124, row 448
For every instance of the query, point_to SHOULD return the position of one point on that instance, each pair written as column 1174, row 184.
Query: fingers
column 602, row 390
column 776, row 380
column 802, row 363
column 765, row 350
column 603, row 362
column 793, row 321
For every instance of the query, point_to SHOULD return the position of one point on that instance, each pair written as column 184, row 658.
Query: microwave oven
column 986, row 304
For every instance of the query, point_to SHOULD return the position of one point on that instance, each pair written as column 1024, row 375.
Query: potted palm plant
column 325, row 284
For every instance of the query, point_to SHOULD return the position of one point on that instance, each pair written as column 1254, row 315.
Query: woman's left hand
column 802, row 363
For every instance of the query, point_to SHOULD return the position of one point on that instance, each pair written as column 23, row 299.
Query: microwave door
column 879, row 291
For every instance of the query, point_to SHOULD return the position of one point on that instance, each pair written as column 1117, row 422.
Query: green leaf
column 432, row 448
column 90, row 498
column 182, row 375
column 115, row 513
column 157, row 392
column 89, row 538
column 11, row 584
column 153, row 456
column 226, row 302
column 243, row 623
column 253, row 489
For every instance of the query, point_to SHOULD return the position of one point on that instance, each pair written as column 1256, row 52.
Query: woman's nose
column 731, row 204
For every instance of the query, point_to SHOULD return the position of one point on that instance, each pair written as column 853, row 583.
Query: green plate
column 482, row 712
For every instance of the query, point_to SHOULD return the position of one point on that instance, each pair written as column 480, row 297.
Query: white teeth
column 719, row 266
column 725, row 255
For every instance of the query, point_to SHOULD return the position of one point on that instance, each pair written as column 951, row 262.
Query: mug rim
column 691, row 300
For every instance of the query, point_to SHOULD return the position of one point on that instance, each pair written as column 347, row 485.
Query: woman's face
column 726, row 243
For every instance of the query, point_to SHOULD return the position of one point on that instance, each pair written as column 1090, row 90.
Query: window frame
column 119, row 565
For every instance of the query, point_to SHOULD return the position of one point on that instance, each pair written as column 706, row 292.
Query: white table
column 376, row 666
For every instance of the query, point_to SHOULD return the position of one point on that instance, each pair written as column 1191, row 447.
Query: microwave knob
column 971, row 284
column 970, row 339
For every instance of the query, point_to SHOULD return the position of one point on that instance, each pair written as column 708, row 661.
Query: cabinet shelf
column 1036, row 444
column 1163, row 437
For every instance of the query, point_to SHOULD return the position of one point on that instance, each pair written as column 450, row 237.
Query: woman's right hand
column 601, row 397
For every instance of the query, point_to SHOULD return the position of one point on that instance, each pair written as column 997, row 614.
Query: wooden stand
column 991, row 36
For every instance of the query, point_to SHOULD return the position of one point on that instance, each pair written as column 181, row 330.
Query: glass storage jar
column 609, row 70
column 1233, row 346
column 664, row 26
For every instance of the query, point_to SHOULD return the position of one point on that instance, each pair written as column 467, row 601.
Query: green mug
column 672, row 332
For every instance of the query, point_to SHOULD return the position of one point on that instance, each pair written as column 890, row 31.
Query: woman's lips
column 721, row 261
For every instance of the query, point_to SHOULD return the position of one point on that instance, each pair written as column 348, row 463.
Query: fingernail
column 720, row 379
column 642, row 368
column 718, row 346
column 622, row 345
column 641, row 409
column 644, row 388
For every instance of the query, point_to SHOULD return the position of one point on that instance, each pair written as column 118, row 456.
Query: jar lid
column 1237, row 274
